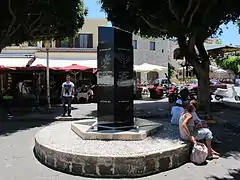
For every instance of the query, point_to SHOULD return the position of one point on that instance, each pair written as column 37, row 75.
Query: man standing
column 67, row 95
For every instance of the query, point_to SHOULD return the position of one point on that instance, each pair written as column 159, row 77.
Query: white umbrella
column 221, row 73
column 189, row 68
column 135, row 67
column 145, row 67
column 213, row 68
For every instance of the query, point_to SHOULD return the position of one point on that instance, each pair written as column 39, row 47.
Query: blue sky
column 230, row 32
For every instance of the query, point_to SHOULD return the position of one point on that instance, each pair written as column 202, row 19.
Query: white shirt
column 67, row 89
column 176, row 113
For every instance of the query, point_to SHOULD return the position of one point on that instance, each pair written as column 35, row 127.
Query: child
column 176, row 112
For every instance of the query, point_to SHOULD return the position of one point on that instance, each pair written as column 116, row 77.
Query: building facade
column 82, row 49
column 153, row 51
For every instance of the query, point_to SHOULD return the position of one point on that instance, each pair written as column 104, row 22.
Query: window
column 162, row 50
column 134, row 44
column 64, row 43
column 152, row 46
column 152, row 76
column 85, row 41
column 80, row 41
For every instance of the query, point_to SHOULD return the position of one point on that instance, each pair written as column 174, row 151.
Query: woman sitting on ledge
column 190, row 131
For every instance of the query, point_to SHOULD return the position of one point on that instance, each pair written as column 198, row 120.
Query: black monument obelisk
column 115, row 79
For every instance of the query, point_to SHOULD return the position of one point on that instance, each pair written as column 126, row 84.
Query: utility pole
column 47, row 46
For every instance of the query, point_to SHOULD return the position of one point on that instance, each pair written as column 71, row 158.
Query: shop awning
column 16, row 61
column 75, row 67
column 60, row 63
column 145, row 67
column 3, row 68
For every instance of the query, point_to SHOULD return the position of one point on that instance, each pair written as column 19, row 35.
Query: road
column 17, row 161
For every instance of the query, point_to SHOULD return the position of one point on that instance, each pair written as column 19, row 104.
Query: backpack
column 199, row 153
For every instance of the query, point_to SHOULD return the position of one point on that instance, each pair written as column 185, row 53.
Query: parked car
column 214, row 84
column 237, row 82
column 140, row 91
column 162, row 82
column 159, row 88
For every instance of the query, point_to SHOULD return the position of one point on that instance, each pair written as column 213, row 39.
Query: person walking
column 67, row 95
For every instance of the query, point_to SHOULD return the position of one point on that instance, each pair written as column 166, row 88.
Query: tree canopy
column 171, row 17
column 231, row 63
column 190, row 21
column 28, row 20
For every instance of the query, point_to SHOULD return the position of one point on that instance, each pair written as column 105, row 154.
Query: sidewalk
column 143, row 109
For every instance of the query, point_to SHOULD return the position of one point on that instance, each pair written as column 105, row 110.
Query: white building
column 82, row 50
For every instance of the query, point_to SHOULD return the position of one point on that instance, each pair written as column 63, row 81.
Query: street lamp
column 47, row 45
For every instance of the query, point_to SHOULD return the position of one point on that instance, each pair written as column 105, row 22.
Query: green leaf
column 32, row 20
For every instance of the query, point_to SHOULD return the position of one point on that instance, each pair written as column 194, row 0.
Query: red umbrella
column 57, row 69
column 75, row 67
column 3, row 68
column 33, row 68
column 95, row 71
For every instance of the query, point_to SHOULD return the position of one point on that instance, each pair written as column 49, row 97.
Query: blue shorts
column 203, row 134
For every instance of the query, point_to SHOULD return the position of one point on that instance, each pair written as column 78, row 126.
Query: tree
column 231, row 63
column 32, row 20
column 190, row 21
column 171, row 70
column 219, row 41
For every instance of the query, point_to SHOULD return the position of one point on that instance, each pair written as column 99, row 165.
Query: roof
column 221, row 47
column 93, row 50
column 211, row 48
column 16, row 61
column 63, row 62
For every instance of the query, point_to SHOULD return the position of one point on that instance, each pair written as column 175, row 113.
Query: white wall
column 91, row 26
column 143, row 54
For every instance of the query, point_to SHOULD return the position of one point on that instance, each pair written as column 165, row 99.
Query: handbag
column 199, row 153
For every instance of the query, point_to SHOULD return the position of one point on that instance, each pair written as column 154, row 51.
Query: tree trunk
column 204, row 85
column 1, row 48
column 204, row 92
column 201, row 67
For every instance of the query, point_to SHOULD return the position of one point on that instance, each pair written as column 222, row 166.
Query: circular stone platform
column 61, row 149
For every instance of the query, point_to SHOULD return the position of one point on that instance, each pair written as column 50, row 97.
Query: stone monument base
column 88, row 130
column 59, row 148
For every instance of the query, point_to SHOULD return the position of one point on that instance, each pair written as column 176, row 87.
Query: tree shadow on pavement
column 233, row 174
column 147, row 109
column 228, row 131
column 93, row 114
column 235, row 106
column 9, row 127
column 229, row 135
